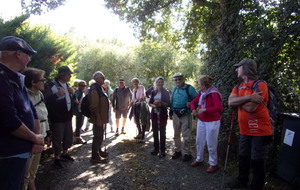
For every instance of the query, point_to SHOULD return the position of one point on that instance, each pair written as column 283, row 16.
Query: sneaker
column 117, row 134
column 212, row 169
column 103, row 154
column 111, row 130
column 196, row 163
column 57, row 163
column 67, row 157
column 80, row 141
column 176, row 155
column 154, row 152
column 235, row 184
column 187, row 157
column 98, row 160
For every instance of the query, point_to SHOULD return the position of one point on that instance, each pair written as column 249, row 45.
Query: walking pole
column 228, row 145
column 105, row 139
column 158, row 127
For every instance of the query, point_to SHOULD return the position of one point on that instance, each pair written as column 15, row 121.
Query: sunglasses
column 177, row 79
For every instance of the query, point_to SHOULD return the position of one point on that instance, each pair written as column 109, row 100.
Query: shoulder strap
column 188, row 92
column 42, row 100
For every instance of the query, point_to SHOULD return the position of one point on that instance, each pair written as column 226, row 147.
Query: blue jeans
column 12, row 171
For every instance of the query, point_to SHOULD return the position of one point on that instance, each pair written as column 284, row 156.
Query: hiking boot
column 176, row 155
column 98, row 160
column 235, row 184
column 154, row 152
column 138, row 136
column 67, row 157
column 212, row 169
column 141, row 140
column 163, row 154
column 196, row 163
column 187, row 157
column 103, row 154
column 57, row 163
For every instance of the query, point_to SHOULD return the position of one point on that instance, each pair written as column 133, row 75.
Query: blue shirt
column 15, row 109
column 180, row 96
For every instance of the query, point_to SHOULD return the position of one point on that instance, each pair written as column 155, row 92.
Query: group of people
column 27, row 112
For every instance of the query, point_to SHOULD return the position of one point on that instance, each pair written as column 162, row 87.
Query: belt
column 43, row 120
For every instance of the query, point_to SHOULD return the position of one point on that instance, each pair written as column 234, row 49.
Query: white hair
column 107, row 82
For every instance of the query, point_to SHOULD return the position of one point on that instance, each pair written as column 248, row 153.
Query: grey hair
column 96, row 74
column 135, row 79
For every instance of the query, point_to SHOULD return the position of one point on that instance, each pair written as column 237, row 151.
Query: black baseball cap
column 64, row 70
column 13, row 43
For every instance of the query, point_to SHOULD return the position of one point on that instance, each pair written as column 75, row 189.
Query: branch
column 204, row 3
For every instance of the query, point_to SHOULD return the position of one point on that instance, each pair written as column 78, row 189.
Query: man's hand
column 39, row 140
column 257, row 97
column 195, row 113
column 71, row 90
column 60, row 92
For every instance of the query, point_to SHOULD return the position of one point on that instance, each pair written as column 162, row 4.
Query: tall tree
column 53, row 50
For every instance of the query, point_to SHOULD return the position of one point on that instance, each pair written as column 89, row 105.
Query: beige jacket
column 99, row 106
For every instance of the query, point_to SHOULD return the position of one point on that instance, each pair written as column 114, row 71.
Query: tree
column 38, row 7
column 53, row 51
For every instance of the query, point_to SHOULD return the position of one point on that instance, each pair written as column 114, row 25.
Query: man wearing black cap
column 254, row 123
column 58, row 96
column 120, row 102
column 19, row 121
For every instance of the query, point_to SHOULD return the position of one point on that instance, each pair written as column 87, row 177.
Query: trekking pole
column 158, row 127
column 228, row 145
column 105, row 138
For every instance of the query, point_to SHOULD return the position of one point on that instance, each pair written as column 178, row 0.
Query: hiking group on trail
column 28, row 116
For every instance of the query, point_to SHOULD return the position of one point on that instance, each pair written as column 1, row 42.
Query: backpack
column 85, row 104
column 272, row 104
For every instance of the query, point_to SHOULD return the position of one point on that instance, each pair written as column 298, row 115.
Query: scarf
column 202, row 99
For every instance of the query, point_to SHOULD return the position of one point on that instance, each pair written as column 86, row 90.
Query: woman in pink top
column 207, row 107
column 138, row 97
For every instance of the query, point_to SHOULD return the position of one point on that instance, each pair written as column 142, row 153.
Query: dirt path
column 130, row 166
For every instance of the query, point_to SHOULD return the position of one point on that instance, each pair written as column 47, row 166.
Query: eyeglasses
column 177, row 79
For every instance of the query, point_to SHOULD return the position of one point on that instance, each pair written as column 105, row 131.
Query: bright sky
column 88, row 17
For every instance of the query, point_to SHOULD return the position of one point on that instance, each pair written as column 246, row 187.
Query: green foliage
column 38, row 7
column 53, row 51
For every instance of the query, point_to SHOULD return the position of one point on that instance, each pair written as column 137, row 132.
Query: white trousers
column 207, row 133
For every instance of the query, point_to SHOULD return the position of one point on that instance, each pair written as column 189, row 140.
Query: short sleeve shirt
column 257, row 123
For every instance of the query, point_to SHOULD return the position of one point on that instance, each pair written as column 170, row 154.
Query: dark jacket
column 57, row 107
column 165, row 97
column 15, row 109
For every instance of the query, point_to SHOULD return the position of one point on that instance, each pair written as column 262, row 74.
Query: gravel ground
column 130, row 166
